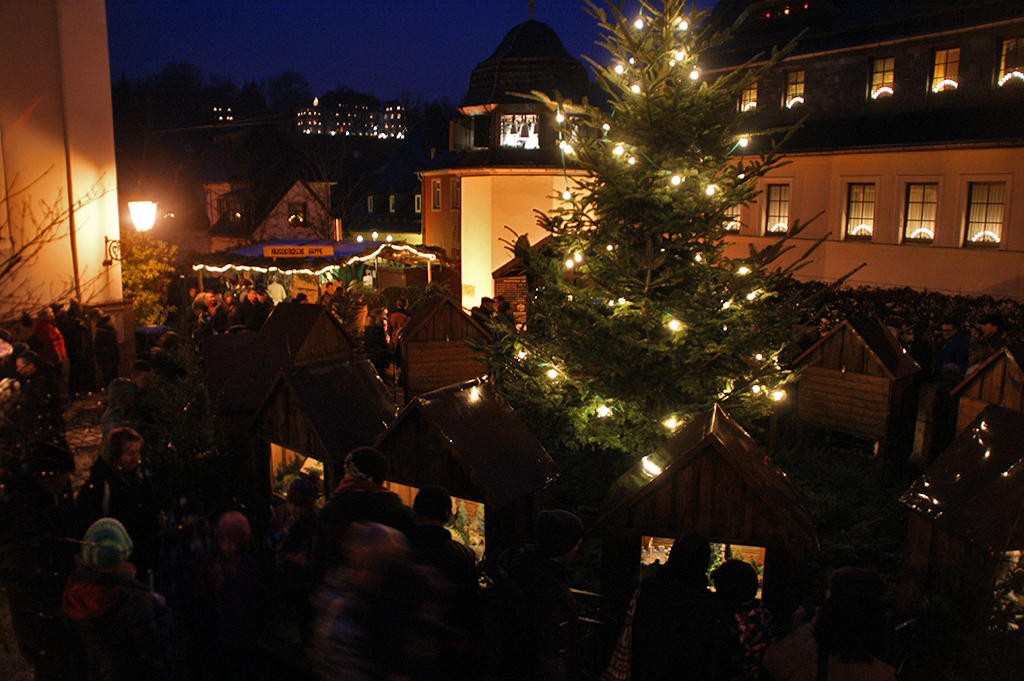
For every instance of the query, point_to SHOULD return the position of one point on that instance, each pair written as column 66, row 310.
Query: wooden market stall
column 966, row 525
column 311, row 333
column 711, row 478
column 857, row 379
column 997, row 380
column 314, row 414
column 466, row 438
column 435, row 349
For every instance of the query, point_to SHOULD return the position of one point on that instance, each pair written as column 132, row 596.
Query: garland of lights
column 604, row 408
column 430, row 257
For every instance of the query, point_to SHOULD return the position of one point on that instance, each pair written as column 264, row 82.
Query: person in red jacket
column 51, row 342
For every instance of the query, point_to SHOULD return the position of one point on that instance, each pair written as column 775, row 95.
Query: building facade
column 504, row 162
column 352, row 114
column 910, row 155
column 57, row 165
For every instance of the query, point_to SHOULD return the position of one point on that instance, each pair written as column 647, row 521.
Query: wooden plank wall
column 710, row 497
column 845, row 351
column 324, row 342
column 1000, row 383
column 446, row 323
column 936, row 562
column 848, row 402
column 436, row 364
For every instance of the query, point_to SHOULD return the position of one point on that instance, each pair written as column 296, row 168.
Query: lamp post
column 143, row 216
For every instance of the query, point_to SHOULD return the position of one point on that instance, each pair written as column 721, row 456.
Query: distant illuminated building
column 352, row 114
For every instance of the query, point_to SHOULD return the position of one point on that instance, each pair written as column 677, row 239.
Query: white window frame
column 905, row 212
column 848, row 216
column 456, row 193
column 771, row 186
column 795, row 91
column 435, row 194
column 879, row 87
column 418, row 203
column 946, row 78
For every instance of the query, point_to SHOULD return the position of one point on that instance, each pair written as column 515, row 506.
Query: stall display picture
column 655, row 551
column 467, row 525
column 292, row 467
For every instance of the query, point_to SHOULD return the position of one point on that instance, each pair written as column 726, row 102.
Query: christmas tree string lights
column 640, row 316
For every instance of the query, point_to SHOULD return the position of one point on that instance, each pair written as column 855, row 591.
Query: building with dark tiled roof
column 504, row 160
column 912, row 143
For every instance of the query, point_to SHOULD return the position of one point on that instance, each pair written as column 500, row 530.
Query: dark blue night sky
column 384, row 47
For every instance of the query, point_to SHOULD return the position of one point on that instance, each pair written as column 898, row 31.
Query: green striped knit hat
column 106, row 544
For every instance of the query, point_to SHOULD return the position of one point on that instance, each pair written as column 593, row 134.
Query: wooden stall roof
column 303, row 324
column 240, row 369
column 344, row 404
column 419, row 325
column 714, row 432
column 1009, row 353
column 516, row 265
column 503, row 460
column 879, row 342
column 975, row 488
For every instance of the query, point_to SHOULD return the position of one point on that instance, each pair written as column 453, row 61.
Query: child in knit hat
column 124, row 627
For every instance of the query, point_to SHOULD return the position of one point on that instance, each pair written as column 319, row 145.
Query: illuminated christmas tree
column 637, row 319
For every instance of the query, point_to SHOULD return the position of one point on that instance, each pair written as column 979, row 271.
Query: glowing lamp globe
column 143, row 214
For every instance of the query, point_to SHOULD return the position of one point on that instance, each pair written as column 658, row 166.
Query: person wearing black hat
column 360, row 496
column 552, row 612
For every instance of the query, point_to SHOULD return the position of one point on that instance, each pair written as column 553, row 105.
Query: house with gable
column 910, row 148
column 504, row 162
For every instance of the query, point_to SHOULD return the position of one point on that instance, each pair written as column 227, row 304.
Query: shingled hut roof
column 344, row 405
column 878, row 341
column 637, row 493
column 531, row 57
column 491, row 455
column 975, row 488
column 312, row 333
column 240, row 369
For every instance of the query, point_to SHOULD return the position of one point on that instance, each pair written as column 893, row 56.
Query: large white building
column 912, row 151
column 504, row 162
column 56, row 155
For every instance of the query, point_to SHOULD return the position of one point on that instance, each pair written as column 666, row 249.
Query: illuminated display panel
column 467, row 523
column 655, row 550
column 521, row 131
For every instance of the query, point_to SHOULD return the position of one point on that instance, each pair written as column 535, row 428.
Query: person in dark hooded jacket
column 359, row 497
column 123, row 625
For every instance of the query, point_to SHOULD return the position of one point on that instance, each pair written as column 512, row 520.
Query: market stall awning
column 313, row 257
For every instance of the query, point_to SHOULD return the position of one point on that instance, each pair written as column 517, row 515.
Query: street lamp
column 143, row 216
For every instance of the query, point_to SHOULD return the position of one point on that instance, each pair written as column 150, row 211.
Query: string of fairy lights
column 628, row 78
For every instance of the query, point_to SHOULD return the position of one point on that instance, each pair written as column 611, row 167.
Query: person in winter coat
column 105, row 349
column 845, row 638
column 124, row 627
column 117, row 487
column 50, row 341
column 736, row 582
column 360, row 496
column 234, row 600
column 375, row 612
column 551, row 650
column 680, row 627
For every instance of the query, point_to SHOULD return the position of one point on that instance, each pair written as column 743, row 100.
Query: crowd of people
column 153, row 588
